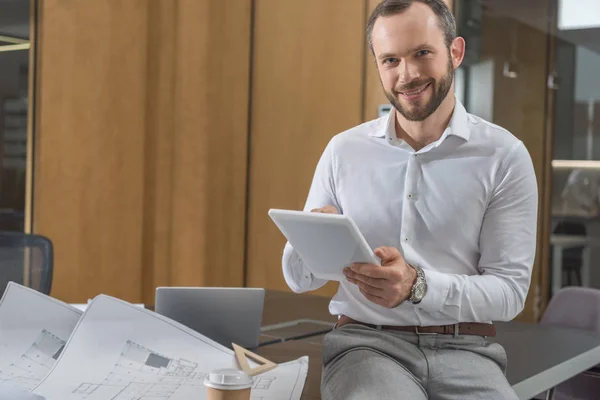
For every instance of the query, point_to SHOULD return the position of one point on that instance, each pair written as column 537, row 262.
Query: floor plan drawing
column 119, row 351
column 34, row 329
column 141, row 374
column 27, row 371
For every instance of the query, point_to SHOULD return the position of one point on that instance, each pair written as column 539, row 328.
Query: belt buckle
column 424, row 333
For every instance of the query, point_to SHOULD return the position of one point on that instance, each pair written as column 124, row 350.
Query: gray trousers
column 366, row 363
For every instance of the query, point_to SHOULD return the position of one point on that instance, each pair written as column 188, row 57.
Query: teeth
column 417, row 92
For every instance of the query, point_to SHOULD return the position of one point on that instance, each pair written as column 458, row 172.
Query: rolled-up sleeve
column 507, row 245
column 321, row 194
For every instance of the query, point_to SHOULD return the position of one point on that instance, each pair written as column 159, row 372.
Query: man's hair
column 386, row 8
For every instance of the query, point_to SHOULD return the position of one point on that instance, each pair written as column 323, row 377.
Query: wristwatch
column 419, row 288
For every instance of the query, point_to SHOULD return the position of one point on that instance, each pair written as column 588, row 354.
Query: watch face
column 420, row 291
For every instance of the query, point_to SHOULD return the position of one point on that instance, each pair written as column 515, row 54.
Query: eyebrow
column 414, row 49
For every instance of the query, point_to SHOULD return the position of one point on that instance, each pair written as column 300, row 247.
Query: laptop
column 225, row 315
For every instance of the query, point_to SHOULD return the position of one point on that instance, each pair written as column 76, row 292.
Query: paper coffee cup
column 228, row 384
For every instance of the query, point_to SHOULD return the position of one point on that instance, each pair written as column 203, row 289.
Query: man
column 449, row 201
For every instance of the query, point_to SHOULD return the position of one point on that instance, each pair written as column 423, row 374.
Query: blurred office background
column 148, row 138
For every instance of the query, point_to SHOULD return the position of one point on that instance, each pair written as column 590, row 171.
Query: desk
column 562, row 242
column 539, row 357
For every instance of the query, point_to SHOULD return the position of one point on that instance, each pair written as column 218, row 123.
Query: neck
column 419, row 134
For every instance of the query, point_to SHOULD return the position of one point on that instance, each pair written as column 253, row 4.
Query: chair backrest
column 574, row 307
column 26, row 259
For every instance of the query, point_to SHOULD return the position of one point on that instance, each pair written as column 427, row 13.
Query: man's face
column 415, row 66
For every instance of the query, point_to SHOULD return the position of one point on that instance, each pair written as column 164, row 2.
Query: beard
column 440, row 91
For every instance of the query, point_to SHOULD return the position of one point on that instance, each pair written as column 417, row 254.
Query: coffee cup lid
column 228, row 379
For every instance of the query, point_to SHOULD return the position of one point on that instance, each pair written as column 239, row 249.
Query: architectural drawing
column 142, row 374
column 35, row 363
column 118, row 351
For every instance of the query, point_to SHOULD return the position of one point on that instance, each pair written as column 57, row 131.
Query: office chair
column 26, row 259
column 572, row 258
column 576, row 307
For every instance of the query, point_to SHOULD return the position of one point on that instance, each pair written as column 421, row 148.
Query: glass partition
column 575, row 239
column 531, row 67
column 14, row 107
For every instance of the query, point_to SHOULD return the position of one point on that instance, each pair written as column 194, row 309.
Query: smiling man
column 449, row 201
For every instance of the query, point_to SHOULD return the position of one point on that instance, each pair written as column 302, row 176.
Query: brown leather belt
column 464, row 328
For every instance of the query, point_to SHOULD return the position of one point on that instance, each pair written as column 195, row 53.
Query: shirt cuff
column 297, row 276
column 305, row 277
column 438, row 287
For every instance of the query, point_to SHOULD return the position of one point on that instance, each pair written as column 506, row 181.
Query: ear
column 457, row 51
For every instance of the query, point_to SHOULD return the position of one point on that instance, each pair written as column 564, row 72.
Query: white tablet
column 326, row 243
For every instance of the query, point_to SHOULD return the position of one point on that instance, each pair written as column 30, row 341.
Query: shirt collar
column 458, row 126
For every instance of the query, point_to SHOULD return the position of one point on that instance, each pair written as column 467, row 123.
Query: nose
column 408, row 72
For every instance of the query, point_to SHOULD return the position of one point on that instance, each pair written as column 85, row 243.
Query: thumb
column 388, row 255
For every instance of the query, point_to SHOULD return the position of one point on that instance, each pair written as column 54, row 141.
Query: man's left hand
column 388, row 284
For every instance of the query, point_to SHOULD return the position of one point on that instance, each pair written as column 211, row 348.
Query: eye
column 390, row 60
column 422, row 53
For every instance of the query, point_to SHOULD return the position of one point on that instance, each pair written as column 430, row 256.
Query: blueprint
column 33, row 331
column 122, row 352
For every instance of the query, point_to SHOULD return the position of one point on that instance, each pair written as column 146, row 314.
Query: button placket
column 410, row 186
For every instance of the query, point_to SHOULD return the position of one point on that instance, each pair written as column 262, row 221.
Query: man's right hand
column 326, row 210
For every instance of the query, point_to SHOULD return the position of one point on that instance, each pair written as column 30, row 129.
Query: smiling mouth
column 415, row 92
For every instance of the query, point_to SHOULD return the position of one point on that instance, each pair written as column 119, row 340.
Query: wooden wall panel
column 89, row 144
column 141, row 147
column 158, row 147
column 210, row 142
column 306, row 87
column 196, row 149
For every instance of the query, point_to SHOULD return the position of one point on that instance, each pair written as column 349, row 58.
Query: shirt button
column 406, row 239
column 410, row 196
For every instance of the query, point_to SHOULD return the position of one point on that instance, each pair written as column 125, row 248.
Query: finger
column 374, row 299
column 326, row 210
column 367, row 280
column 373, row 291
column 366, row 287
column 370, row 270
column 388, row 255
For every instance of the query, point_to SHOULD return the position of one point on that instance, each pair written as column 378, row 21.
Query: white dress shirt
column 463, row 208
